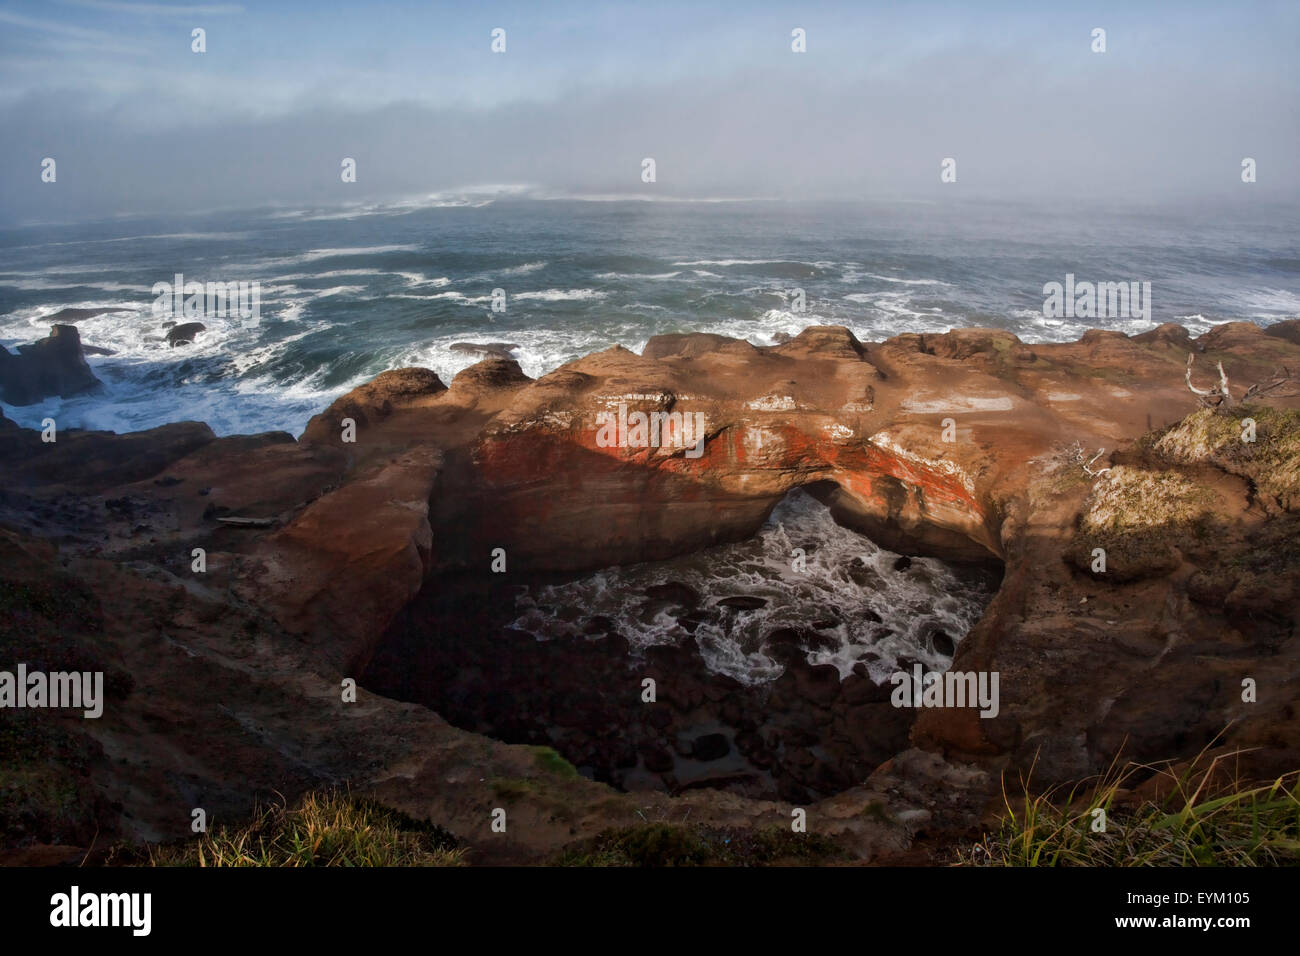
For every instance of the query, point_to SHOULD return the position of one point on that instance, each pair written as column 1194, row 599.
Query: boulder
column 185, row 333
column 53, row 366
column 674, row 592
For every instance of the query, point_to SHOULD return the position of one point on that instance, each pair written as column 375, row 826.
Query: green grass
column 1204, row 820
column 551, row 762
column 330, row 828
column 553, row 766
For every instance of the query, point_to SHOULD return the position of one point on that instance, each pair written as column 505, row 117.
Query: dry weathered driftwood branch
column 1280, row 378
column 1099, row 471
column 1219, row 395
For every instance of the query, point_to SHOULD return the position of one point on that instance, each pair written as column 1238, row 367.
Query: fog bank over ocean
column 581, row 93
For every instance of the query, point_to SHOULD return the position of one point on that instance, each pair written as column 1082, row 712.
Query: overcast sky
column 584, row 91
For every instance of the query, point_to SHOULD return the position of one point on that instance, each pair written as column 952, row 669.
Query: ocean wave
column 452, row 296
column 637, row 275
column 415, row 279
column 472, row 197
column 738, row 262
column 47, row 285
column 1270, row 303
column 524, row 269
column 560, row 295
column 379, row 209
column 539, row 351
column 169, row 237
column 315, row 255
column 895, row 279
column 130, row 330
column 331, row 274
column 66, row 270
column 339, row 290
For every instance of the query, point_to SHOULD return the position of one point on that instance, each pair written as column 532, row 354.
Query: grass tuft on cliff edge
column 1139, row 517
column 1196, row 816
column 1271, row 461
column 328, row 828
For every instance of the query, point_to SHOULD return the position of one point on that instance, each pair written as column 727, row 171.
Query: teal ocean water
column 347, row 293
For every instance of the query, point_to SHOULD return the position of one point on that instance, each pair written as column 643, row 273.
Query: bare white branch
column 1220, row 396
column 1100, row 471
column 1191, row 357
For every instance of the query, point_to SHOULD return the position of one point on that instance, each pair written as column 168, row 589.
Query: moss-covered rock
column 1271, row 461
column 1139, row 517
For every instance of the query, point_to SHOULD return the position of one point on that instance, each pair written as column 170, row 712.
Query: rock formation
column 52, row 366
column 185, row 333
column 386, row 514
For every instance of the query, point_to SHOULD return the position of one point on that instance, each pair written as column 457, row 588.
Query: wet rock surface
column 53, row 366
column 803, row 736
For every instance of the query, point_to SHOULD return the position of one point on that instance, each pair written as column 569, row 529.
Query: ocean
column 349, row 292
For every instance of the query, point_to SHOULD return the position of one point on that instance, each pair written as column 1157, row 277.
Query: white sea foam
column 416, row 279
column 472, row 197
column 896, row 279
column 523, row 270
column 65, row 270
column 314, row 255
column 169, row 237
column 332, row 274
column 637, row 275
column 1269, row 303
column 735, row 262
column 50, row 285
column 340, row 290
column 559, row 295
column 848, row 582
column 453, row 296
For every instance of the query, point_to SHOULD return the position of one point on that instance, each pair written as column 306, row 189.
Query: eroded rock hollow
column 412, row 512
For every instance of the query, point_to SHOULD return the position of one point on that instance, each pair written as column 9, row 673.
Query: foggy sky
column 137, row 123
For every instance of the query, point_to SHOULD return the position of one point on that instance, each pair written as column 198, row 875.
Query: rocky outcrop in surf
column 52, row 366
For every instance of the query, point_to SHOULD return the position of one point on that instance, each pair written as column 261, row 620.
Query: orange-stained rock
column 957, row 444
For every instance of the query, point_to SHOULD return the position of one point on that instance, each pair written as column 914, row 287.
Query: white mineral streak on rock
column 951, row 468
column 964, row 404
column 771, row 403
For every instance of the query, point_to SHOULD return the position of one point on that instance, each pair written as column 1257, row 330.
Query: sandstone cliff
column 969, row 445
